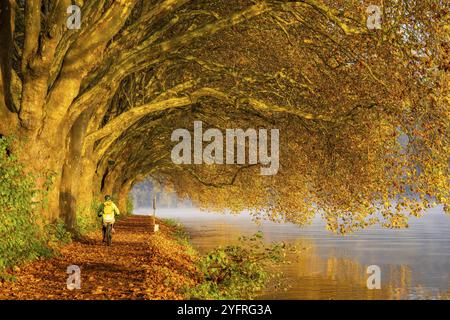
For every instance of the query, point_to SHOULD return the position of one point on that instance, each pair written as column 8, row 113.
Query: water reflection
column 313, row 277
column 414, row 262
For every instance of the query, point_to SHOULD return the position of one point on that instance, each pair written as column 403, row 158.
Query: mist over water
column 414, row 262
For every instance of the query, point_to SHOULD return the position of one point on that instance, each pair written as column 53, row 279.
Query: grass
column 180, row 235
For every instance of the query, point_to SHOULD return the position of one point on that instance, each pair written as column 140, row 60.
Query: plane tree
column 362, row 114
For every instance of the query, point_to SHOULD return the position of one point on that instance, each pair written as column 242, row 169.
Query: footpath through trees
column 138, row 265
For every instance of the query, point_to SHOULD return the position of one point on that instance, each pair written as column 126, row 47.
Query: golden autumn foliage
column 363, row 114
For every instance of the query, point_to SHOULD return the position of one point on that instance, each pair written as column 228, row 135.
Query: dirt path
column 138, row 265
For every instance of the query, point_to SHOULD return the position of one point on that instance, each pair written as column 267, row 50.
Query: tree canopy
column 363, row 114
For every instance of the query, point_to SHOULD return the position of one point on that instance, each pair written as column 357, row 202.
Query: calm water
column 414, row 262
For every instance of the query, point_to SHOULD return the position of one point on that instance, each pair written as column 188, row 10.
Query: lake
column 414, row 262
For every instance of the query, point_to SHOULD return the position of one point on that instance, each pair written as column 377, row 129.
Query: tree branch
column 218, row 185
column 118, row 125
column 80, row 59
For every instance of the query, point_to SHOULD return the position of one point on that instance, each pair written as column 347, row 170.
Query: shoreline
column 143, row 265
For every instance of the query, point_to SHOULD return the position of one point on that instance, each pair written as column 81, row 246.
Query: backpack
column 108, row 212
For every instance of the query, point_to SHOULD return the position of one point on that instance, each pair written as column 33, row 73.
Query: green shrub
column 180, row 235
column 171, row 223
column 130, row 204
column 57, row 234
column 86, row 218
column 86, row 223
column 238, row 271
column 21, row 237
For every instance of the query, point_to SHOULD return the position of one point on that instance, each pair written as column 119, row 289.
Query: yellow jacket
column 108, row 210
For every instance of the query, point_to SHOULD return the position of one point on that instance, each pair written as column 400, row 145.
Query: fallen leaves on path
column 139, row 265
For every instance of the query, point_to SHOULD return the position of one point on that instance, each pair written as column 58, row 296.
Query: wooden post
column 154, row 226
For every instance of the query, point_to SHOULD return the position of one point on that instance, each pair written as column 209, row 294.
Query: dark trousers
column 104, row 231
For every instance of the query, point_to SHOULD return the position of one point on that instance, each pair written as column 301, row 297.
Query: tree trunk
column 123, row 196
column 75, row 175
column 44, row 158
